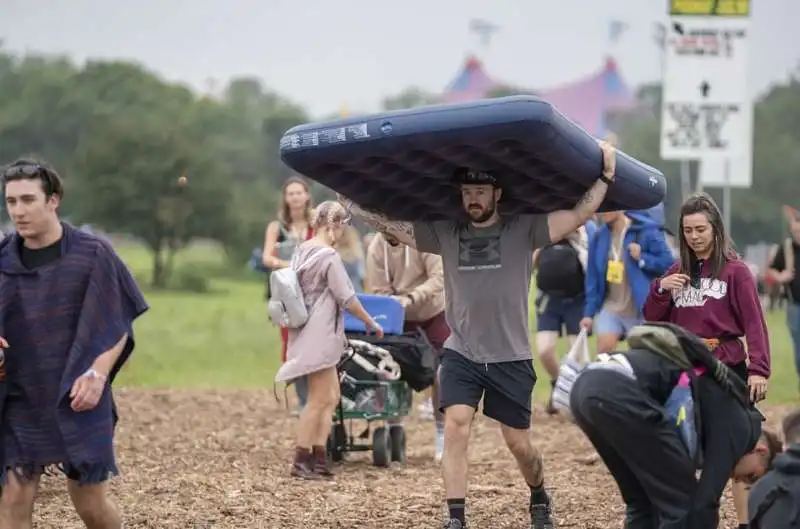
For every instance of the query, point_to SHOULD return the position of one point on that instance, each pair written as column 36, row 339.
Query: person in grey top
column 487, row 273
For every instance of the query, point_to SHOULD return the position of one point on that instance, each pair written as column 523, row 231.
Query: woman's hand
column 673, row 282
column 758, row 388
column 376, row 328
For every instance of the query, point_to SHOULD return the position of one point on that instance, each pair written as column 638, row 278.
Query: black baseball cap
column 465, row 175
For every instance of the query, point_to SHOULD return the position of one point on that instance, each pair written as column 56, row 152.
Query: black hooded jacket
column 774, row 501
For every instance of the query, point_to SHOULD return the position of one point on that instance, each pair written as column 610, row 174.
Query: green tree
column 130, row 182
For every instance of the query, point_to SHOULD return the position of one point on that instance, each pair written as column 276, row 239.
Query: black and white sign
column 704, row 112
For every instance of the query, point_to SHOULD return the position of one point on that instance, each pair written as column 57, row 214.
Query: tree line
column 122, row 137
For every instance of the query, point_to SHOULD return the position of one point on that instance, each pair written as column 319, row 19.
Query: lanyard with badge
column 616, row 268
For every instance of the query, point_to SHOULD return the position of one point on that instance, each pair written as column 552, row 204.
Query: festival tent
column 471, row 82
column 589, row 101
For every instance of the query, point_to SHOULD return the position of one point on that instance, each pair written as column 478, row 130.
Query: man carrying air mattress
column 487, row 274
column 623, row 403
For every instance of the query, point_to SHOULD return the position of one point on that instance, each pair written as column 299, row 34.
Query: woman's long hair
column 722, row 249
column 349, row 246
column 284, row 215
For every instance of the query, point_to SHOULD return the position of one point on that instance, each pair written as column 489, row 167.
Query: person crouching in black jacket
column 619, row 403
column 774, row 501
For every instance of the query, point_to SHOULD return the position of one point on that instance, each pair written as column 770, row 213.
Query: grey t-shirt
column 487, row 276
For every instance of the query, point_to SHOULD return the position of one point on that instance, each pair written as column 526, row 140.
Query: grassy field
column 225, row 340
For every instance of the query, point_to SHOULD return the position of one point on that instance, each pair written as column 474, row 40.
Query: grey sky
column 326, row 54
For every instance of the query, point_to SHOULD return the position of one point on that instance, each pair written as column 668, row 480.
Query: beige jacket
column 404, row 271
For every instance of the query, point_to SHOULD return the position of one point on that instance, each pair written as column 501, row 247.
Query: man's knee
column 517, row 440
column 546, row 343
column 16, row 501
column 457, row 422
column 92, row 504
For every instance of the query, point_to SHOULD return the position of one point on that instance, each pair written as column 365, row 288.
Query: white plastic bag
column 571, row 366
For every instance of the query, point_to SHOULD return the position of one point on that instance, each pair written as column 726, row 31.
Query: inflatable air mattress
column 401, row 163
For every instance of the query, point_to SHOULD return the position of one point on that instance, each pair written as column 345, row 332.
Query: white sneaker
column 439, row 447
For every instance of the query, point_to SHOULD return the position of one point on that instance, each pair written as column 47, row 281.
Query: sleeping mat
column 402, row 163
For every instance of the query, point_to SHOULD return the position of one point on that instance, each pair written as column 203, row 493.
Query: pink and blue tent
column 470, row 83
column 588, row 102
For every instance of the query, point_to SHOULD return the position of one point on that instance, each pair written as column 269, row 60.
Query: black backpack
column 559, row 271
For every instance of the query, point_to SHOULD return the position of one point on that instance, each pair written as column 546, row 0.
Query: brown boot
column 320, row 460
column 303, row 465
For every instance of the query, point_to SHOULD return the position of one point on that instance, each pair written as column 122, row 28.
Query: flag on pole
column 484, row 29
column 615, row 30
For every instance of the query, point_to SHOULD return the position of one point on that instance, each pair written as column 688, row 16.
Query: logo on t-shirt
column 696, row 297
column 478, row 251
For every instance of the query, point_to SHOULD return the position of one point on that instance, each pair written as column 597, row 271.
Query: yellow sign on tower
column 721, row 8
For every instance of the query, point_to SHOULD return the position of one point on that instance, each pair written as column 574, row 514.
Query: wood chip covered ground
column 220, row 460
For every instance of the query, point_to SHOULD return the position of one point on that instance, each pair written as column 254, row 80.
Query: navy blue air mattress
column 401, row 163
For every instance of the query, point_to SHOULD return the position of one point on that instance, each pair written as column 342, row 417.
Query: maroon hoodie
column 725, row 308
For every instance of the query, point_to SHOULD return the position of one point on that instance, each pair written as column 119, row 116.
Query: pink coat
column 319, row 344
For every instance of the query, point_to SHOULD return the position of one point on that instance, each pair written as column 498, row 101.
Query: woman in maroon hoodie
column 713, row 294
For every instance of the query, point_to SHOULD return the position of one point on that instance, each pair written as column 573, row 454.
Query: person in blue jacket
column 627, row 252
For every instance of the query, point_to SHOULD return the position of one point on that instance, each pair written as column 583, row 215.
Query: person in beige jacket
column 416, row 280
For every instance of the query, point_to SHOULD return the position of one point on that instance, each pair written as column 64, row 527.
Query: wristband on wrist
column 94, row 373
column 606, row 180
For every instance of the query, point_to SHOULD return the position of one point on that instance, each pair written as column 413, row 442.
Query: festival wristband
column 94, row 373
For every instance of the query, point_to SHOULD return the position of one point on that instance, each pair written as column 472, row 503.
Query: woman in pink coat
column 316, row 348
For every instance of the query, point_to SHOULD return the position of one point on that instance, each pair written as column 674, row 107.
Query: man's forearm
column 562, row 223
column 401, row 230
column 106, row 361
column 589, row 203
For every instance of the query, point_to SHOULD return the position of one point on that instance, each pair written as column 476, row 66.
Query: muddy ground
column 219, row 460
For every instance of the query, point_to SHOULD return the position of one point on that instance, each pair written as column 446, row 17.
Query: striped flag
column 615, row 30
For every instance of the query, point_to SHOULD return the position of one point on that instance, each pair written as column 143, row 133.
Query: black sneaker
column 542, row 515
column 454, row 523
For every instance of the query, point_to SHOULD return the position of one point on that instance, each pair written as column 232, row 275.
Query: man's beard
column 483, row 215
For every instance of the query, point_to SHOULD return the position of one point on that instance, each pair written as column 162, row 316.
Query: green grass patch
column 223, row 339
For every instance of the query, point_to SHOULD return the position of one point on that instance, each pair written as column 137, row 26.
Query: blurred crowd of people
column 619, row 270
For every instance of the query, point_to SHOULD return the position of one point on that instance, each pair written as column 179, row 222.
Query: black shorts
column 505, row 387
column 559, row 314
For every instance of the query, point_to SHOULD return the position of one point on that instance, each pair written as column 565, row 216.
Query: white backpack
column 287, row 306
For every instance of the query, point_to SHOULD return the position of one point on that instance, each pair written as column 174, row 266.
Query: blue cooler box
column 387, row 312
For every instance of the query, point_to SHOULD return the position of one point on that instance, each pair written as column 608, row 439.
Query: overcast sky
column 326, row 54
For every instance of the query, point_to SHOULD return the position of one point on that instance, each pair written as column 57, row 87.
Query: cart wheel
column 337, row 443
column 381, row 447
column 398, row 436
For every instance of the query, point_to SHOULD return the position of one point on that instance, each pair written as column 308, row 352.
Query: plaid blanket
column 57, row 320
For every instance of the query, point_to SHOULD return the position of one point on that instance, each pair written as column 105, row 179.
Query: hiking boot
column 454, row 524
column 542, row 515
column 303, row 465
column 320, row 462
